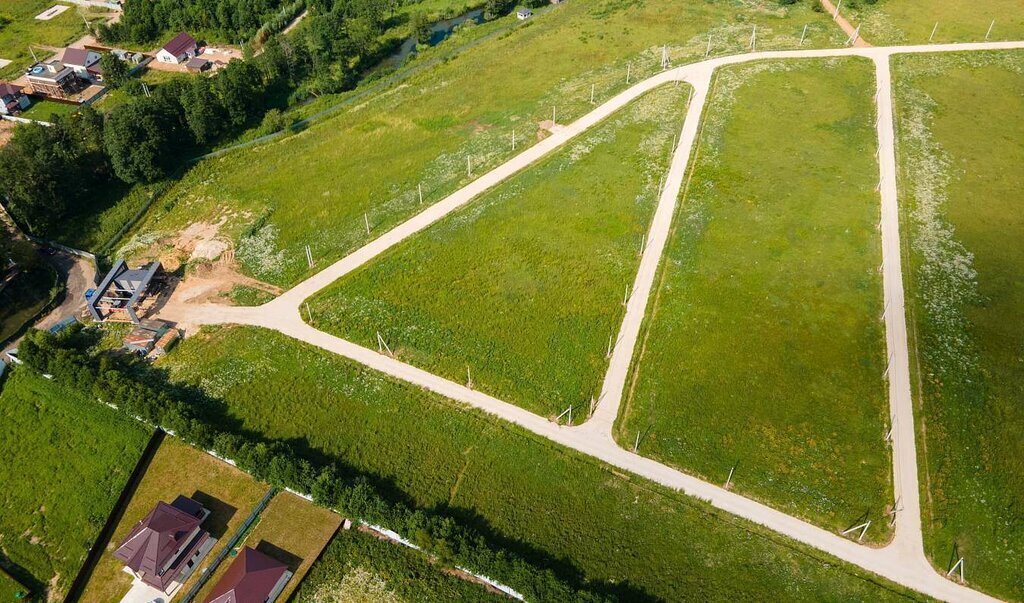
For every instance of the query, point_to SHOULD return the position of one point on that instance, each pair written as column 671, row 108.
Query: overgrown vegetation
column 620, row 535
column 66, row 460
column 316, row 186
column 32, row 286
column 525, row 286
column 764, row 350
column 357, row 566
column 960, row 127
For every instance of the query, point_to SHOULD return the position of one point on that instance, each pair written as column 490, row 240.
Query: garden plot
column 890, row 22
column 763, row 353
column 65, row 462
column 520, row 292
column 559, row 509
column 960, row 128
column 320, row 187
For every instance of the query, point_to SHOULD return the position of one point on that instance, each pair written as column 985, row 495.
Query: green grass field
column 763, row 348
column 45, row 110
column 524, row 286
column 359, row 567
column 315, row 187
column 19, row 28
column 66, row 459
column 906, row 22
column 560, row 509
column 10, row 589
column 960, row 126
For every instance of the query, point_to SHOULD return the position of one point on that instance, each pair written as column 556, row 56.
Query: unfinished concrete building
column 124, row 293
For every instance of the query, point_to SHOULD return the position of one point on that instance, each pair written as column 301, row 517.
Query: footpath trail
column 903, row 560
column 844, row 24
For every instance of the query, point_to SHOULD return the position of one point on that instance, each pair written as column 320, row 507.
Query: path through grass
column 764, row 350
column 315, row 187
column 960, row 126
column 560, row 509
column 525, row 286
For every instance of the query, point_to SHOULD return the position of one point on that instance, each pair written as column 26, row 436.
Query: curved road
column 903, row 560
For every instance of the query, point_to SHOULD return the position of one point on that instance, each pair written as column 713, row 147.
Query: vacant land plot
column 291, row 530
column 317, row 187
column 177, row 469
column 901, row 22
column 960, row 122
column 19, row 29
column 525, row 286
column 65, row 461
column 358, row 566
column 764, row 349
column 558, row 508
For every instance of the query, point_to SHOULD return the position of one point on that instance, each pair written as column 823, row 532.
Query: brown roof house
column 85, row 63
column 12, row 99
column 252, row 578
column 182, row 48
column 54, row 78
column 164, row 548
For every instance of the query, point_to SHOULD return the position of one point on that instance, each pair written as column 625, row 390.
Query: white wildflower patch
column 358, row 586
column 259, row 252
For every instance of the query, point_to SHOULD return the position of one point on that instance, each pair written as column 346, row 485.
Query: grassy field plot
column 316, row 187
column 177, row 469
column 357, row 566
column 960, row 127
column 764, row 349
column 291, row 530
column 559, row 509
column 524, row 286
column 47, row 110
column 902, row 22
column 11, row 589
column 65, row 461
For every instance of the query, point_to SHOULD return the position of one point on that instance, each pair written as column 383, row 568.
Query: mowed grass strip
column 524, row 287
column 316, row 187
column 890, row 22
column 177, row 469
column 960, row 127
column 358, row 566
column 560, row 509
column 65, row 461
column 764, row 348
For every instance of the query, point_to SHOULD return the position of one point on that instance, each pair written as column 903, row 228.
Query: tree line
column 51, row 174
column 142, row 392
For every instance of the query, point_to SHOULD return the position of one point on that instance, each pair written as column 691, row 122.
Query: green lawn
column 19, row 28
column 10, row 589
column 559, row 508
column 315, row 187
column 525, row 286
column 357, row 567
column 960, row 126
column 65, row 461
column 46, row 110
column 911, row 22
column 763, row 348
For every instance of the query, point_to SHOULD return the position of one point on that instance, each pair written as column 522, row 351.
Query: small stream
column 439, row 32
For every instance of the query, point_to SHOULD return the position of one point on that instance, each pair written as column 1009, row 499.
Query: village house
column 164, row 548
column 13, row 99
column 179, row 50
column 252, row 577
column 523, row 13
column 53, row 78
column 85, row 63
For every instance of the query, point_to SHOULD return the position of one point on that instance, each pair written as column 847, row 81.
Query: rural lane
column 903, row 560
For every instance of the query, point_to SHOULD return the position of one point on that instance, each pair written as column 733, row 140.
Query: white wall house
column 179, row 50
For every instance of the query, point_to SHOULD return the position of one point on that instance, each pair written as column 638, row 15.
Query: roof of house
column 251, row 577
column 196, row 63
column 75, row 56
column 179, row 44
column 9, row 88
column 157, row 536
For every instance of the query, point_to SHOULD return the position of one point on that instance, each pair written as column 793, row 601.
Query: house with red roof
column 12, row 99
column 165, row 546
column 252, row 578
column 179, row 50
